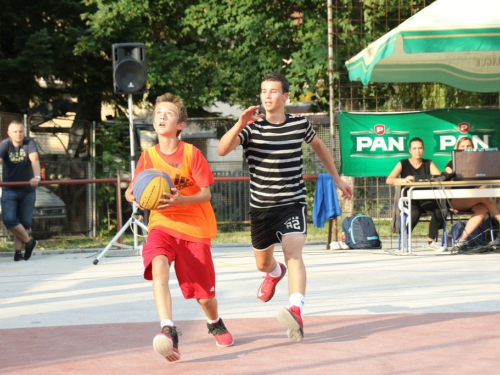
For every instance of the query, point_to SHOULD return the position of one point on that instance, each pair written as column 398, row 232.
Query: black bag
column 477, row 236
column 360, row 232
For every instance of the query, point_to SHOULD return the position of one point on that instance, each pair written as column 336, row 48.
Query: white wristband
column 37, row 177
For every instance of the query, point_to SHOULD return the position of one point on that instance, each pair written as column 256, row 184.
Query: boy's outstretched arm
column 326, row 158
column 230, row 140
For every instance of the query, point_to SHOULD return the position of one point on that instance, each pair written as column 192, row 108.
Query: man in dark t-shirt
column 19, row 157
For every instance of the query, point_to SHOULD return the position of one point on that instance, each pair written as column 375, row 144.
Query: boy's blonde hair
column 175, row 100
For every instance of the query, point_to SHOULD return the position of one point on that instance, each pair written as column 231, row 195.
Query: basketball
column 149, row 186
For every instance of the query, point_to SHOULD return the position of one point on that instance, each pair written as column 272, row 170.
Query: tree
column 173, row 63
column 211, row 50
column 247, row 39
column 202, row 50
column 37, row 61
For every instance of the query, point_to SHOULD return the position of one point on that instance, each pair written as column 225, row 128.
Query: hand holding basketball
column 171, row 199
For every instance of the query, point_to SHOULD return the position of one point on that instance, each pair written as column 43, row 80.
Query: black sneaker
column 222, row 336
column 166, row 343
column 29, row 247
column 18, row 255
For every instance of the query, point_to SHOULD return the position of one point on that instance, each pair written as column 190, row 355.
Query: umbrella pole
column 330, row 74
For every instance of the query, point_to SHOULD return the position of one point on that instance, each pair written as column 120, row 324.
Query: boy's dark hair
column 415, row 139
column 175, row 100
column 279, row 78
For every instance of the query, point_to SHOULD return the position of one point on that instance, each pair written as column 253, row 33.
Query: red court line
column 444, row 343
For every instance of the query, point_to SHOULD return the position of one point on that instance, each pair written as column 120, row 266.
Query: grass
column 227, row 234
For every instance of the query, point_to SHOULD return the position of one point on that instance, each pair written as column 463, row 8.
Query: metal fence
column 66, row 157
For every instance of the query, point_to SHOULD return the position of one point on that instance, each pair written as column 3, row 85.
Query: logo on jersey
column 182, row 182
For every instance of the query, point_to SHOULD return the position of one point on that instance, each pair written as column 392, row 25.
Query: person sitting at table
column 479, row 206
column 407, row 169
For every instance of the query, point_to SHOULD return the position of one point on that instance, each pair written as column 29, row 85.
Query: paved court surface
column 367, row 312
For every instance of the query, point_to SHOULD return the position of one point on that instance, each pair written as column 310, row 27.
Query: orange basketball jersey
column 194, row 222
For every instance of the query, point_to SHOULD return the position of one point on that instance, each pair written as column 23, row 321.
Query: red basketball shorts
column 193, row 263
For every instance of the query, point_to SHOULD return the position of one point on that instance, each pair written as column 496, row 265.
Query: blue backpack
column 477, row 235
column 360, row 232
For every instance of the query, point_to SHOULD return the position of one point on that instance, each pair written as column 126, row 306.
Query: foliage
column 173, row 63
column 202, row 50
column 37, row 40
column 112, row 157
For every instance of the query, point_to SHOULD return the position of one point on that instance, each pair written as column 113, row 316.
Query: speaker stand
column 136, row 219
column 134, row 222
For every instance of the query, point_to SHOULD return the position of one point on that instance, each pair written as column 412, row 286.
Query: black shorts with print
column 268, row 227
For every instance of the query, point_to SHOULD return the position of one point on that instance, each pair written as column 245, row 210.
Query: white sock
column 166, row 322
column 213, row 321
column 297, row 299
column 276, row 272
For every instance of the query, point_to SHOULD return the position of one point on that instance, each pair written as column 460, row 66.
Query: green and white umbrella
column 455, row 42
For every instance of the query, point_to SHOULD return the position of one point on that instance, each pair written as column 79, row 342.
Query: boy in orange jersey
column 180, row 228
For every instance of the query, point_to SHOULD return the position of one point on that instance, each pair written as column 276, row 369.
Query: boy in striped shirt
column 273, row 148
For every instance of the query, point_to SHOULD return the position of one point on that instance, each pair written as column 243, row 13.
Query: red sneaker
column 268, row 286
column 292, row 321
column 222, row 336
column 166, row 343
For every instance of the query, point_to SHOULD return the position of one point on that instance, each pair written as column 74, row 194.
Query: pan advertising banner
column 372, row 143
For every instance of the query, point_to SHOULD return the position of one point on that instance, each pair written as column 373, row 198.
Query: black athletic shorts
column 268, row 227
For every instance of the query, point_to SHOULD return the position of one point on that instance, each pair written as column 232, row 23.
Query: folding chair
column 404, row 208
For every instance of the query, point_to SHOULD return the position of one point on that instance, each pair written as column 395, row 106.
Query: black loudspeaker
column 129, row 68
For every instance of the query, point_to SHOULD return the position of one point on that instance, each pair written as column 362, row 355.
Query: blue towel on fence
column 326, row 202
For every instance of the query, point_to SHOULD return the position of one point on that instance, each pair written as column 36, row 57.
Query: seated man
column 407, row 169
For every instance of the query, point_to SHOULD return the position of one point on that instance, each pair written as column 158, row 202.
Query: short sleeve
column 310, row 133
column 245, row 136
column 32, row 146
column 140, row 166
column 3, row 150
column 200, row 170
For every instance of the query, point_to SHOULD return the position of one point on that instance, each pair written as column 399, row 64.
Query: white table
column 441, row 190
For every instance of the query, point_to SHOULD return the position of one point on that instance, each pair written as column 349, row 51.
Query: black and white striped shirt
column 274, row 156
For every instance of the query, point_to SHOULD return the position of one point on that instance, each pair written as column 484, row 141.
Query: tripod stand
column 135, row 220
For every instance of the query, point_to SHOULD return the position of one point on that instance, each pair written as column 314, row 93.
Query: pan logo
column 447, row 139
column 379, row 129
column 379, row 142
column 463, row 127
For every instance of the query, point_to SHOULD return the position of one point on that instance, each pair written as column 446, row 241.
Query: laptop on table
column 476, row 164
